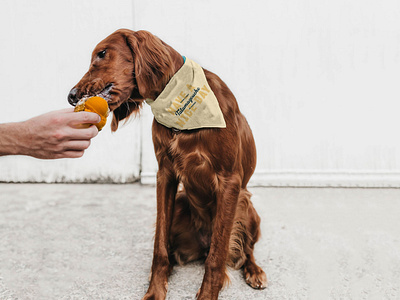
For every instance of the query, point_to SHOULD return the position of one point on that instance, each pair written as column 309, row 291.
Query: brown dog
column 210, row 215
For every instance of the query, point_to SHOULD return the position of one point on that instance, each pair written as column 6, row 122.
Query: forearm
column 12, row 137
column 56, row 134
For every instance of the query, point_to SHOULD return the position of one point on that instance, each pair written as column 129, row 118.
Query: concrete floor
column 95, row 242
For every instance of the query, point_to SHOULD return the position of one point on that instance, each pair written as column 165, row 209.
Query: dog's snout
column 72, row 96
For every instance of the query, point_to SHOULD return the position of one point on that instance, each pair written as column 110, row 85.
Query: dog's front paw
column 207, row 292
column 205, row 296
column 156, row 292
column 151, row 295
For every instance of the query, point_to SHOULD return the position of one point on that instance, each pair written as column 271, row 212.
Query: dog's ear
column 124, row 111
column 154, row 64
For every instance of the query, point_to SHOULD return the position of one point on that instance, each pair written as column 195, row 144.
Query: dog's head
column 126, row 68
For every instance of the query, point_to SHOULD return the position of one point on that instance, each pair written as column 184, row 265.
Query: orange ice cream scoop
column 97, row 105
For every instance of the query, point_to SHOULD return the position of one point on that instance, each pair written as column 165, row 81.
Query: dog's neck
column 177, row 63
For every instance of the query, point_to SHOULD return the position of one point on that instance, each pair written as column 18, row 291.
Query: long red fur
column 210, row 216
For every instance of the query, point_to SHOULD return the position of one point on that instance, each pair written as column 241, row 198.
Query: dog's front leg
column 166, row 191
column 215, row 266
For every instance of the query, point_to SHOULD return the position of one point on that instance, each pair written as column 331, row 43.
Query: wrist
column 12, row 138
column 7, row 139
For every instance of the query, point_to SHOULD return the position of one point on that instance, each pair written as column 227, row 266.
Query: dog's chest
column 190, row 157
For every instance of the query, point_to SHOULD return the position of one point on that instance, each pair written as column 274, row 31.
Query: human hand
column 57, row 134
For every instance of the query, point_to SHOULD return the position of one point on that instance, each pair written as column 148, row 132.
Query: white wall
column 316, row 79
column 45, row 50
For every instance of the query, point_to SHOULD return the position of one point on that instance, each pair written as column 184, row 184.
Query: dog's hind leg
column 253, row 274
column 245, row 233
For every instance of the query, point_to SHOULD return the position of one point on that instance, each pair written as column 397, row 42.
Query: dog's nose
column 72, row 99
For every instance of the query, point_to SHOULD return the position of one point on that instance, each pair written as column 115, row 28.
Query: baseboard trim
column 347, row 178
column 317, row 178
column 148, row 178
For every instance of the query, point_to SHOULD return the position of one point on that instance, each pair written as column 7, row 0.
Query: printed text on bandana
column 184, row 106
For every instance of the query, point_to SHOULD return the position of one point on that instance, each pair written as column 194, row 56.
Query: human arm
column 56, row 134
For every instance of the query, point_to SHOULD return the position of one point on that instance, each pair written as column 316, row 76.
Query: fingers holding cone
column 97, row 105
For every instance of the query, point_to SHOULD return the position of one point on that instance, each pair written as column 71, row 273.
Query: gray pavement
column 95, row 242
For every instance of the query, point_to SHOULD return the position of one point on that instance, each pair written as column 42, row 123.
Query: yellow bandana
column 187, row 101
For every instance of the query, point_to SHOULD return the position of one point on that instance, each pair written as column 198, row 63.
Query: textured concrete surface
column 95, row 242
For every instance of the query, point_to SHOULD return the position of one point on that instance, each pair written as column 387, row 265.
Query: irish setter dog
column 203, row 206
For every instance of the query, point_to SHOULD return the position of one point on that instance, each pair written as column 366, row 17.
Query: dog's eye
column 101, row 54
